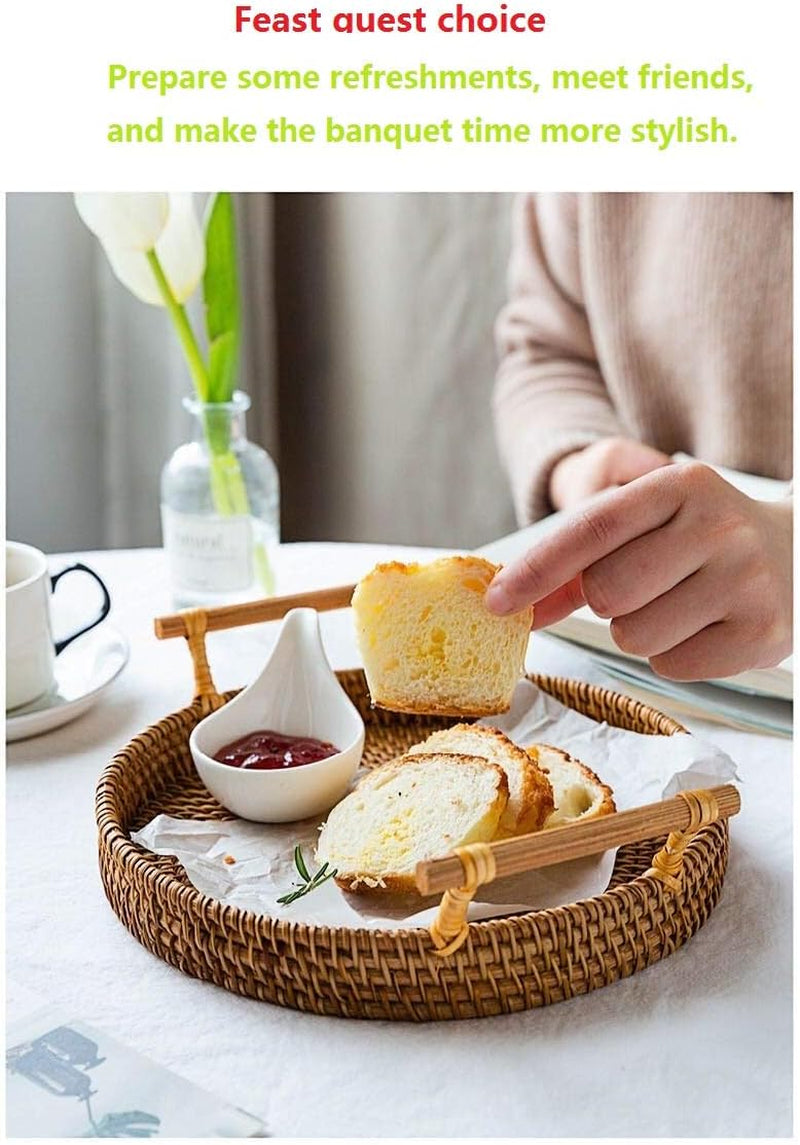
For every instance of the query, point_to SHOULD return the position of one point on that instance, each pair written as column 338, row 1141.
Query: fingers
column 559, row 604
column 588, row 535
column 643, row 570
column 672, row 618
column 695, row 576
column 719, row 650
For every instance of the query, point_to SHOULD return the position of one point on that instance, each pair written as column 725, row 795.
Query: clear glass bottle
column 220, row 510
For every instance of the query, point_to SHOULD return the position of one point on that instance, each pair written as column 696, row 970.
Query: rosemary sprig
column 310, row 882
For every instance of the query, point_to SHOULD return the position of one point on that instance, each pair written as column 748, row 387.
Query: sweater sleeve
column 549, row 397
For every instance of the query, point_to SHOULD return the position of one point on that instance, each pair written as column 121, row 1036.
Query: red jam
column 269, row 751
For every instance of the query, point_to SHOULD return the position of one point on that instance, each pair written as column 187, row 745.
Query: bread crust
column 536, row 795
column 387, row 704
column 415, row 757
column 468, row 562
column 365, row 884
column 607, row 806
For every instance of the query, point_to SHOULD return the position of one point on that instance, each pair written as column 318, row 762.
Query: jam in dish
column 270, row 751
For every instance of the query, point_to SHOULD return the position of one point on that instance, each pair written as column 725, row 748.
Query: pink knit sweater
column 664, row 317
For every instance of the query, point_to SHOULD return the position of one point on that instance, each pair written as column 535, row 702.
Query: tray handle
column 195, row 624
column 459, row 875
column 668, row 862
column 449, row 930
column 256, row 611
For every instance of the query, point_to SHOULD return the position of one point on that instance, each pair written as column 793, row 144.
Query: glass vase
column 220, row 510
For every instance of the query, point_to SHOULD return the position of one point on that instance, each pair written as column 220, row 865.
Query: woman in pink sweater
column 640, row 325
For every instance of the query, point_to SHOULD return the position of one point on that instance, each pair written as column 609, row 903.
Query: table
column 697, row 1045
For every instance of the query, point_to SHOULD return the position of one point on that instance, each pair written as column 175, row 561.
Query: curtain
column 94, row 381
column 385, row 306
column 367, row 354
column 52, row 416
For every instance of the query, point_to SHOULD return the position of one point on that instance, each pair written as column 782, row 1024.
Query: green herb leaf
column 310, row 882
column 330, row 875
column 300, row 863
column 221, row 297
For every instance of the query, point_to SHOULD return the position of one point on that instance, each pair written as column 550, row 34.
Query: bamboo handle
column 576, row 841
column 257, row 611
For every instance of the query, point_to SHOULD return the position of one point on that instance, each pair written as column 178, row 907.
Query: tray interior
column 507, row 964
column 175, row 789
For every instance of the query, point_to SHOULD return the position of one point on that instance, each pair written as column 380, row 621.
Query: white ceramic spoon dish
column 297, row 693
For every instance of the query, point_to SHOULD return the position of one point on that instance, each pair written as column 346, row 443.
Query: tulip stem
column 228, row 489
column 177, row 313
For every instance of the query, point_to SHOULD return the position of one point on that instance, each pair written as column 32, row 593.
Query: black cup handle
column 104, row 609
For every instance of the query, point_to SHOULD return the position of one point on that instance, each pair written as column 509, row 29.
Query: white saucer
column 83, row 672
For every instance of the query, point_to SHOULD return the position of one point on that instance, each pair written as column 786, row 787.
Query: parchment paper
column 639, row 769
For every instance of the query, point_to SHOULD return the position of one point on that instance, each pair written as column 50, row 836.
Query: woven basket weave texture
column 506, row 965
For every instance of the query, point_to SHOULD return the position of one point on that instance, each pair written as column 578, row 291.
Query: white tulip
column 180, row 250
column 132, row 221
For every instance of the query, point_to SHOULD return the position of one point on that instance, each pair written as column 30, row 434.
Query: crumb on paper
column 229, row 859
column 367, row 881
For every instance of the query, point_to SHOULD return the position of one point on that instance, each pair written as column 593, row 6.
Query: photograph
column 462, row 521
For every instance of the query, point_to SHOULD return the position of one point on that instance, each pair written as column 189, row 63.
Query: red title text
column 458, row 19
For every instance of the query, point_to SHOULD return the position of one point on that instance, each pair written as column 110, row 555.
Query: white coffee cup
column 30, row 651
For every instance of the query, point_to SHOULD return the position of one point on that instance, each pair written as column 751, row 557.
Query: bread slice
column 428, row 642
column 530, row 797
column 578, row 793
column 415, row 808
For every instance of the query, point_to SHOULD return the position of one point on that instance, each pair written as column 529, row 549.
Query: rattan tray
column 505, row 965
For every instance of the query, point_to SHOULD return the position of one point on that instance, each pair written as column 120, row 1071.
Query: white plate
column 703, row 700
column 83, row 672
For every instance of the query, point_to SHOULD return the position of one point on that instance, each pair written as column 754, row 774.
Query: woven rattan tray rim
column 126, row 853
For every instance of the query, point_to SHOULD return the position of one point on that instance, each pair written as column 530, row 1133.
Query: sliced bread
column 578, row 793
column 530, row 797
column 428, row 642
column 415, row 808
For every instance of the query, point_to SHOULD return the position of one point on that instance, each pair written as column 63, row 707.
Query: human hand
column 695, row 576
column 605, row 463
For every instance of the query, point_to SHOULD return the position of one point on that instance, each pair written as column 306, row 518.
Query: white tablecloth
column 699, row 1044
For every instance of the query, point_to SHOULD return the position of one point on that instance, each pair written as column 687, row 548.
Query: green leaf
column 320, row 875
column 221, row 297
column 299, row 862
column 223, row 366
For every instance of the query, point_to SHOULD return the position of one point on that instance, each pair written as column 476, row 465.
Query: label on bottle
column 208, row 554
